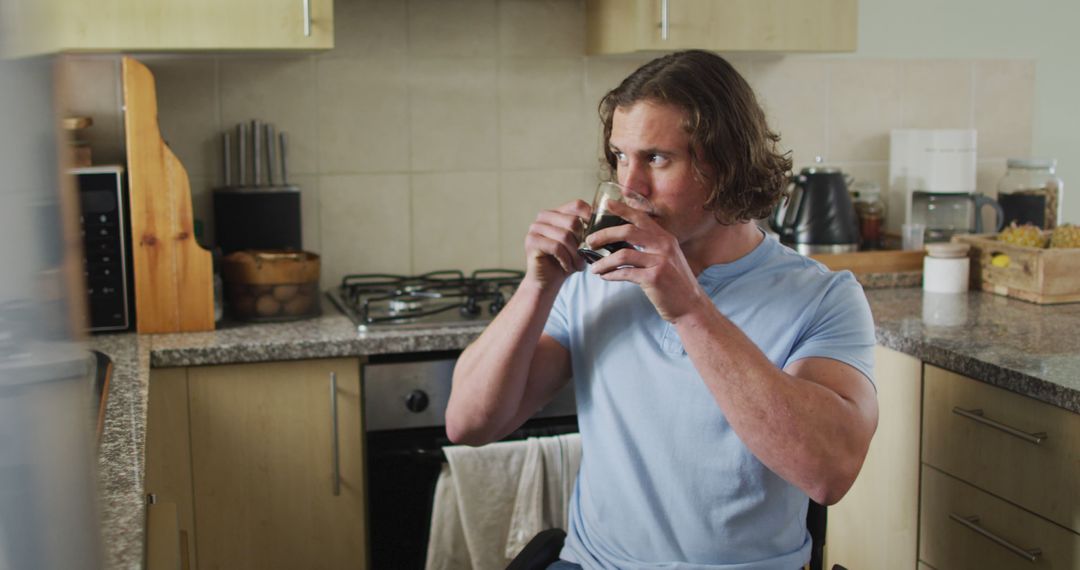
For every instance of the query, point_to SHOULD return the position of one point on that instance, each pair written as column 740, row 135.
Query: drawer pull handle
column 978, row 416
column 972, row 522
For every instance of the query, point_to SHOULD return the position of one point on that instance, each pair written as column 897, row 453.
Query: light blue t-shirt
column 665, row 482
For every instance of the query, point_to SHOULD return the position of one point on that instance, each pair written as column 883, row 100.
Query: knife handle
column 226, row 157
column 284, row 162
column 270, row 154
column 241, row 153
column 256, row 151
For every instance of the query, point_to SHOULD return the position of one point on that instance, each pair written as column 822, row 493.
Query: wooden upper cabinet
column 622, row 26
column 180, row 25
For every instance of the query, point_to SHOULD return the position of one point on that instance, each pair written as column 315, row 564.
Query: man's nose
column 635, row 177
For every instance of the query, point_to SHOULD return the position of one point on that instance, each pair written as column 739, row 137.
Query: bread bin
column 271, row 285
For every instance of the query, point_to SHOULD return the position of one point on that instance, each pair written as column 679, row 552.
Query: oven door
column 404, row 415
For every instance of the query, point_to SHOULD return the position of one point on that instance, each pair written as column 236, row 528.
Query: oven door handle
column 335, row 457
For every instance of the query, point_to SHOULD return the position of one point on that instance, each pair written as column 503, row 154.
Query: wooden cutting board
column 863, row 262
column 174, row 280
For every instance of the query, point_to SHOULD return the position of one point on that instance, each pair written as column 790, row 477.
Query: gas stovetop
column 443, row 298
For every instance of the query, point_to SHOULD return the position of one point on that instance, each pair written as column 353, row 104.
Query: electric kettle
column 818, row 215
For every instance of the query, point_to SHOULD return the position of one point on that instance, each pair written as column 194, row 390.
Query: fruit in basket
column 1066, row 235
column 1028, row 235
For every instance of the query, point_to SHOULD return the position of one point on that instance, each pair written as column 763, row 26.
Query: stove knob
column 470, row 308
column 497, row 304
column 416, row 401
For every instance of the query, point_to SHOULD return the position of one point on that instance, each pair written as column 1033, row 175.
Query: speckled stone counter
column 1021, row 347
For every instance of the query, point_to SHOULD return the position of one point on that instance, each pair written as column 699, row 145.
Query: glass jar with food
column 1029, row 191
column 870, row 209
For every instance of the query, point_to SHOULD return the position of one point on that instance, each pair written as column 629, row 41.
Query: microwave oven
column 106, row 236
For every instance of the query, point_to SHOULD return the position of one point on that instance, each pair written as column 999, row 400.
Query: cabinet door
column 192, row 24
column 965, row 528
column 616, row 26
column 264, row 465
column 1015, row 447
column 168, row 458
column 876, row 524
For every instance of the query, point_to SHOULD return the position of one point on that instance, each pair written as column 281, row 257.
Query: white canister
column 946, row 268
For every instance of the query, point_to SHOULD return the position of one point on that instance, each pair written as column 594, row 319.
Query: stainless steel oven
column 404, row 421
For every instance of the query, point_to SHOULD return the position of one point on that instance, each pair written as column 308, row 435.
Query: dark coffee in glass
column 601, row 218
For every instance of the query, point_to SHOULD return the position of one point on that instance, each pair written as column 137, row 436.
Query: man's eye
column 619, row 156
column 658, row 159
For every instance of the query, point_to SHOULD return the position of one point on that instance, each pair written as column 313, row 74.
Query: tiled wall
column 436, row 129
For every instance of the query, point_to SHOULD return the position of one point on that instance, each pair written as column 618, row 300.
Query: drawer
column 945, row 542
column 1041, row 477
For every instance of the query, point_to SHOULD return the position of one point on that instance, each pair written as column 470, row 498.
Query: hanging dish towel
column 491, row 500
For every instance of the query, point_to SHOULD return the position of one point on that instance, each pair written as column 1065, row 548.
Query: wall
column 1043, row 32
column 435, row 130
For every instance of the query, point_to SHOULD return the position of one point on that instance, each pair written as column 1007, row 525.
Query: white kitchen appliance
column 931, row 161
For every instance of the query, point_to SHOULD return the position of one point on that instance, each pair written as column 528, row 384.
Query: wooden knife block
column 174, row 279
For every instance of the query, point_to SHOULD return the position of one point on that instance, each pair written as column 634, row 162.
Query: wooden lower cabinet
column 999, row 483
column 263, row 463
column 876, row 524
column 966, row 528
column 1022, row 450
column 168, row 462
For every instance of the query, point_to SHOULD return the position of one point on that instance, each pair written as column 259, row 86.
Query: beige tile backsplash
column 362, row 115
column 864, row 103
column 1004, row 101
column 523, row 194
column 542, row 123
column 454, row 117
column 365, row 224
column 436, row 129
column 937, row 95
column 455, row 216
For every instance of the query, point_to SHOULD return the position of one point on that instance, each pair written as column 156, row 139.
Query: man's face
column 652, row 151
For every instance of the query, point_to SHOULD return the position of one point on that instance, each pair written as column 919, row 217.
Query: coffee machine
column 932, row 182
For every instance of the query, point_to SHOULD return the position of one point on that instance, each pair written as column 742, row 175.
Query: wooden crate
column 1043, row 276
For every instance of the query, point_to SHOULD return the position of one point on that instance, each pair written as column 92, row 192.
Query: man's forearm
column 805, row 432
column 491, row 374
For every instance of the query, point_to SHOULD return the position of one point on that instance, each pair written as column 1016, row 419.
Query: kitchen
column 433, row 131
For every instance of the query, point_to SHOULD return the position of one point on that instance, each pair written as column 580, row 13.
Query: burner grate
column 378, row 299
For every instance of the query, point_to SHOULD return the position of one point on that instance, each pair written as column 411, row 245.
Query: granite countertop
column 1021, row 347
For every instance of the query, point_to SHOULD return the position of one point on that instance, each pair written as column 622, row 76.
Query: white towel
column 544, row 489
column 446, row 545
column 491, row 500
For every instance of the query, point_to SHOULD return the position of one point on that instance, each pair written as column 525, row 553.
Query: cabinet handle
column 664, row 20
column 307, row 18
column 335, row 457
column 978, row 416
column 972, row 522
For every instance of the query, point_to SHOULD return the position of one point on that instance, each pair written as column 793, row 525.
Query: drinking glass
column 606, row 193
column 911, row 235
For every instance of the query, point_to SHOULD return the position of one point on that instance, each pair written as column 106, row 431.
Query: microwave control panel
column 106, row 265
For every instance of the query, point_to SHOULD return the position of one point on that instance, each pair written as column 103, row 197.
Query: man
column 721, row 378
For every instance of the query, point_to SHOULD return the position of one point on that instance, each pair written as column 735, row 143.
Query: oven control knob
column 416, row 401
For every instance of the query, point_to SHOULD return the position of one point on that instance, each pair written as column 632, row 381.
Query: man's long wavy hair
column 732, row 148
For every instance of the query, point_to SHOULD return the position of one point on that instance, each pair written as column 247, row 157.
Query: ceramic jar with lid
column 1029, row 191
column 946, row 268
